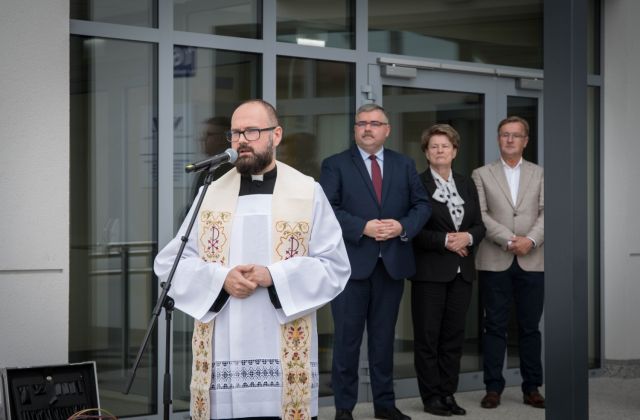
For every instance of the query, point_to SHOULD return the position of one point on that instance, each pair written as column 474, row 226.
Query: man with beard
column 381, row 205
column 267, row 251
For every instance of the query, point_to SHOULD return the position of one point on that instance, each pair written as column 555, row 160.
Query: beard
column 257, row 162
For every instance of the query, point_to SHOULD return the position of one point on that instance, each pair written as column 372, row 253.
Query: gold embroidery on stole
column 291, row 239
column 292, row 198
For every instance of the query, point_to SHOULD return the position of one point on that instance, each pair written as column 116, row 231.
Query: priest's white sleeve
column 196, row 283
column 306, row 283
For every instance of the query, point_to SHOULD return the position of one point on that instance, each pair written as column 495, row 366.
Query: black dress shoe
column 455, row 409
column 343, row 415
column 390, row 413
column 435, row 405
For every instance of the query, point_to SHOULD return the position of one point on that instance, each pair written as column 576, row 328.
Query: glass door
column 473, row 104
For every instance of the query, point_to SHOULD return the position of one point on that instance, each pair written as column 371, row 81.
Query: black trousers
column 439, row 311
column 374, row 303
column 500, row 290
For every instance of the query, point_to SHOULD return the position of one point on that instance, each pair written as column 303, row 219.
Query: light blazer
column 434, row 262
column 503, row 218
column 349, row 188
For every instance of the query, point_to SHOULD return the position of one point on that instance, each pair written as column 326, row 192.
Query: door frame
column 496, row 84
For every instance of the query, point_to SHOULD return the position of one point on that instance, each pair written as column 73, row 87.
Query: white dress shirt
column 513, row 178
column 367, row 162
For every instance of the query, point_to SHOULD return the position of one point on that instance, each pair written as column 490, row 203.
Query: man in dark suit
column 381, row 205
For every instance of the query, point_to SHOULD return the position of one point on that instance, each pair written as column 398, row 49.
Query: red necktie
column 376, row 177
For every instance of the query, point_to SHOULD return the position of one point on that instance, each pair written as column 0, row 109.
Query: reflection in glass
column 113, row 199
column 500, row 32
column 414, row 110
column 315, row 104
column 593, row 223
column 208, row 86
column 410, row 112
column 130, row 12
column 239, row 18
column 317, row 23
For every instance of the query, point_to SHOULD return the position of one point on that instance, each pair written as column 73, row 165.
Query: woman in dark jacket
column 441, row 287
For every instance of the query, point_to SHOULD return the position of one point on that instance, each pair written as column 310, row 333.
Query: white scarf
column 447, row 193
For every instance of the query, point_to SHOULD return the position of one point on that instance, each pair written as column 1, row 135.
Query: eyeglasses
column 251, row 134
column 516, row 136
column 374, row 124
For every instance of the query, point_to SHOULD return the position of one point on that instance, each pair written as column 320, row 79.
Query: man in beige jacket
column 510, row 261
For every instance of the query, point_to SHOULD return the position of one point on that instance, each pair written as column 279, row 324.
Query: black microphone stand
column 164, row 301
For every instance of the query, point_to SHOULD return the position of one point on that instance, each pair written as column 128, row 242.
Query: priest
column 265, row 253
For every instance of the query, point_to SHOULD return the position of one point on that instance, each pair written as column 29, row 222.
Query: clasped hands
column 458, row 242
column 381, row 230
column 243, row 280
column 520, row 245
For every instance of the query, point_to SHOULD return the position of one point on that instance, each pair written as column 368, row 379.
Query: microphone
column 228, row 155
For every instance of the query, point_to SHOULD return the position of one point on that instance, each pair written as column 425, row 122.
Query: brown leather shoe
column 490, row 400
column 534, row 399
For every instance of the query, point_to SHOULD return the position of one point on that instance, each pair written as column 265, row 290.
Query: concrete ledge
column 625, row 369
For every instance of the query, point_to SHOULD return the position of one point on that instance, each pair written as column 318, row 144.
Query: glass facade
column 113, row 229
column 207, row 88
column 238, row 18
column 315, row 103
column 414, row 110
column 129, row 191
column 206, row 91
column 499, row 32
column 123, row 12
column 317, row 23
column 411, row 111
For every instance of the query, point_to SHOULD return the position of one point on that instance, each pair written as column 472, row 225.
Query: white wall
column 621, row 180
column 34, row 180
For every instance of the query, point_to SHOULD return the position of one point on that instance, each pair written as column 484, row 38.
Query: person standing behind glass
column 441, row 287
column 212, row 141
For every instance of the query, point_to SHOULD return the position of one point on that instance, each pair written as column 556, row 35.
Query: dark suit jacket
column 433, row 261
column 349, row 188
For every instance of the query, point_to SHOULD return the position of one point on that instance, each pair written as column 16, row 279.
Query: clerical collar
column 261, row 177
column 258, row 184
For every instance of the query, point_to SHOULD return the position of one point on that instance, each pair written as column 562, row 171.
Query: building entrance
column 473, row 101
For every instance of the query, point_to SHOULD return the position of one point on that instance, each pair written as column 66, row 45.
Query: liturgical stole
column 291, row 211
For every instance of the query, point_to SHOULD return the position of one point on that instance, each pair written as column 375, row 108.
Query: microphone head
column 233, row 155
